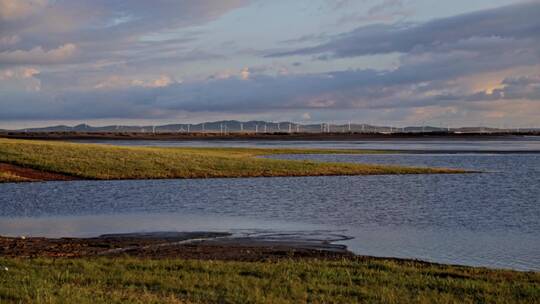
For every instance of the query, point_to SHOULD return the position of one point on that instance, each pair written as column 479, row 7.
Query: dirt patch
column 28, row 174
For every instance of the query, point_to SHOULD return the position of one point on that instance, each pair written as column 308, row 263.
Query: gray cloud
column 100, row 29
column 101, row 69
column 524, row 87
column 355, row 89
column 510, row 22
column 385, row 11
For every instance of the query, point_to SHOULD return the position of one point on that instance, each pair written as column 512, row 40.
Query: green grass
column 90, row 161
column 131, row 280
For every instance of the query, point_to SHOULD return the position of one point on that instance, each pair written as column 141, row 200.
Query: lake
column 503, row 144
column 483, row 219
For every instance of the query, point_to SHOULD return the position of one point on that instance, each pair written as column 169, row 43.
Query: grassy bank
column 133, row 280
column 89, row 161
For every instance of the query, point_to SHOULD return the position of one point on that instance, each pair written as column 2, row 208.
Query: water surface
column 488, row 219
column 524, row 143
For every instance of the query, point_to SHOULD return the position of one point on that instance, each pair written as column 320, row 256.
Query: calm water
column 530, row 143
column 488, row 219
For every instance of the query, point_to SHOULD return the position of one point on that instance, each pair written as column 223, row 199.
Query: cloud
column 102, row 29
column 386, row 11
column 244, row 74
column 21, row 78
column 346, row 92
column 162, row 81
column 118, row 82
column 355, row 89
column 19, row 73
column 522, row 87
column 515, row 22
column 29, row 72
column 120, row 61
column 18, row 9
column 9, row 40
column 38, row 55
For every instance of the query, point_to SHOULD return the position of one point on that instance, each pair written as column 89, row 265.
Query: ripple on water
column 489, row 219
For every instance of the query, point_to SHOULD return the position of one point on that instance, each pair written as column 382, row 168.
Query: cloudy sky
column 399, row 62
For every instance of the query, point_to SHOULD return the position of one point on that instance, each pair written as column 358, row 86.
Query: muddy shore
column 184, row 245
column 33, row 175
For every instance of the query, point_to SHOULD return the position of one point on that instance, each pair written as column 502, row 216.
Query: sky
column 389, row 62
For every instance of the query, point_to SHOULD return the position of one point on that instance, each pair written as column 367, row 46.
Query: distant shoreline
column 338, row 136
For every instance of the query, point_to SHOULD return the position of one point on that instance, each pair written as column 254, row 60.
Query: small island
column 33, row 160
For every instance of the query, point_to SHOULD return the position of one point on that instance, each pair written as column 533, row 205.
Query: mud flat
column 184, row 245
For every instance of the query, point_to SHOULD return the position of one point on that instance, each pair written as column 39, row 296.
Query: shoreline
column 196, row 245
column 164, row 245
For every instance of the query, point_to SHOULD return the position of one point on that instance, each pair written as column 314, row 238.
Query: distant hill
column 234, row 126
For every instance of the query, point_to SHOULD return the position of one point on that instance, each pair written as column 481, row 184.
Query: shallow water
column 487, row 219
